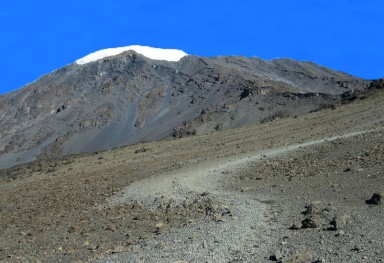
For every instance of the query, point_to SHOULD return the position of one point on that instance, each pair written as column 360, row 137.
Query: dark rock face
column 128, row 98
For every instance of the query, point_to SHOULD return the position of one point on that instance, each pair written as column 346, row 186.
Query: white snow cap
column 149, row 52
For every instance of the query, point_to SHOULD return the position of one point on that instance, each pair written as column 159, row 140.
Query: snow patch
column 149, row 52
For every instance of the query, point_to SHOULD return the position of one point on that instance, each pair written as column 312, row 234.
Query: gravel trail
column 244, row 232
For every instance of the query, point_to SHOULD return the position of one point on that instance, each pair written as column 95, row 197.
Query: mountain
column 292, row 190
column 110, row 99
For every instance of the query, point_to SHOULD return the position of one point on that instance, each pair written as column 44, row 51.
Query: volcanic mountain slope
column 292, row 190
column 129, row 98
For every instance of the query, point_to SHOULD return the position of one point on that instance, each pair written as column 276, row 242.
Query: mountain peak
column 149, row 52
column 100, row 106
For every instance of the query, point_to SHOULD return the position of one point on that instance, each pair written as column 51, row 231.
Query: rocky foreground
column 304, row 189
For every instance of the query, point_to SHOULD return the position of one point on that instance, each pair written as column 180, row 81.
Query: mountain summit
column 122, row 96
column 149, row 52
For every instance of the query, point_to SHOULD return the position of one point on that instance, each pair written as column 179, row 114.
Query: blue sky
column 38, row 37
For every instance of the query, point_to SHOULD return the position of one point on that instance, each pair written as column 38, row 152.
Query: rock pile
column 324, row 216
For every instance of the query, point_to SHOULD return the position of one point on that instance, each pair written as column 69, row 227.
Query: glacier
column 173, row 55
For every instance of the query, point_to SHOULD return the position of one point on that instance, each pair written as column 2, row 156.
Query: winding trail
column 206, row 176
column 249, row 233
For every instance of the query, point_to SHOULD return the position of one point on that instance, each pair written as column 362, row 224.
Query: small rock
column 141, row 150
column 159, row 225
column 294, row 227
column 93, row 247
column 274, row 257
column 218, row 218
column 99, row 256
column 73, row 229
column 111, row 227
column 278, row 255
column 214, row 206
column 162, row 246
column 340, row 221
column 313, row 208
column 298, row 258
column 375, row 199
column 159, row 228
column 357, row 248
column 118, row 249
column 224, row 211
column 309, row 223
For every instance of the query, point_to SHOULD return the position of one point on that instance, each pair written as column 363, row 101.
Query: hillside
column 291, row 190
column 128, row 98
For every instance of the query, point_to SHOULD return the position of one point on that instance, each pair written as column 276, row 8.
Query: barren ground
column 292, row 190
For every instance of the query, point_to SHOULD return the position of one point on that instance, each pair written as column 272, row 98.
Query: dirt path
column 206, row 177
column 245, row 230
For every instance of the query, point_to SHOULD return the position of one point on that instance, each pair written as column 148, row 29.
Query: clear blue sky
column 38, row 37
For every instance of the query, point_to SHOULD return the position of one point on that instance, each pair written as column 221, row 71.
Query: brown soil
column 64, row 210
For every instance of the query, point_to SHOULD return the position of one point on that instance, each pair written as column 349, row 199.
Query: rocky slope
column 128, row 98
column 292, row 190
